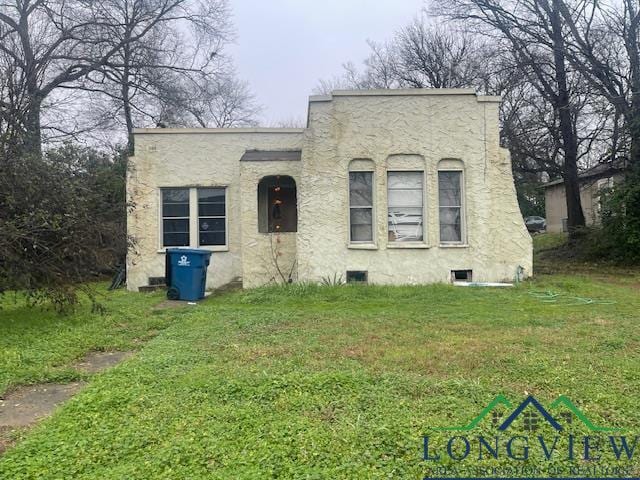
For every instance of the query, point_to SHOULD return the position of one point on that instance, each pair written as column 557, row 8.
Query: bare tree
column 178, row 74
column 11, row 102
column 377, row 74
column 289, row 122
column 223, row 102
column 433, row 56
column 125, row 49
column 604, row 44
column 420, row 55
column 534, row 32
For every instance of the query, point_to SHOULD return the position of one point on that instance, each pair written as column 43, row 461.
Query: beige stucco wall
column 266, row 257
column 386, row 130
column 191, row 158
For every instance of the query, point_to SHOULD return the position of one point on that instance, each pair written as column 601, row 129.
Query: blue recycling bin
column 186, row 273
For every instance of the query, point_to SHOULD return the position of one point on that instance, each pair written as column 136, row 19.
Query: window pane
column 400, row 216
column 211, row 195
column 450, row 224
column 175, row 202
column 405, row 224
column 211, row 209
column 211, row 203
column 175, row 226
column 360, row 189
column 211, row 224
column 404, row 180
column 449, row 189
column 361, row 225
column 175, row 210
column 405, row 198
column 175, row 195
column 450, row 199
column 212, row 238
column 176, row 239
column 361, row 195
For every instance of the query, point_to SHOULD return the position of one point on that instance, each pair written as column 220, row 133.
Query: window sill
column 221, row 248
column 454, row 245
column 401, row 245
column 362, row 246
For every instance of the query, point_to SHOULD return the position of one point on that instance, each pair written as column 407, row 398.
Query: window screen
column 175, row 217
column 361, row 206
column 405, row 201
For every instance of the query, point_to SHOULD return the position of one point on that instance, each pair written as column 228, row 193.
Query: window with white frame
column 175, row 217
column 361, row 207
column 194, row 217
column 450, row 206
column 405, row 194
column 212, row 228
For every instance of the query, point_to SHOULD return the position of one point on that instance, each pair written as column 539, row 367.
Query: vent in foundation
column 461, row 275
column 357, row 276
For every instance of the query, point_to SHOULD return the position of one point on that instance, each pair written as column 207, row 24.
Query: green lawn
column 321, row 382
column 39, row 345
column 548, row 241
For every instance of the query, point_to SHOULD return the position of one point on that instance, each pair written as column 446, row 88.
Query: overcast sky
column 285, row 46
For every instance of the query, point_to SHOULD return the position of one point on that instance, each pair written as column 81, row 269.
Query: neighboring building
column 384, row 186
column 592, row 182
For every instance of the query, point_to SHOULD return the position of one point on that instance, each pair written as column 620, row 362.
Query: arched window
column 361, row 200
column 406, row 198
column 277, row 204
column 451, row 201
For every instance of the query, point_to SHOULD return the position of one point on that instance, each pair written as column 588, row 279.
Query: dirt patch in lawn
column 25, row 405
column 95, row 362
column 168, row 304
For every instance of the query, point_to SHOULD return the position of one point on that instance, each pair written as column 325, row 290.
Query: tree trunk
column 129, row 121
column 32, row 139
column 126, row 100
column 633, row 120
column 575, row 216
column 32, row 142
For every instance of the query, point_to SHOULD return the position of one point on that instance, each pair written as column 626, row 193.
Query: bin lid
column 191, row 251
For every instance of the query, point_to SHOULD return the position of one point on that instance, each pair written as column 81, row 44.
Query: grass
column 553, row 254
column 334, row 382
column 39, row 345
column 548, row 241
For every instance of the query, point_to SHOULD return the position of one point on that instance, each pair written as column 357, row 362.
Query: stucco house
column 382, row 186
column 592, row 182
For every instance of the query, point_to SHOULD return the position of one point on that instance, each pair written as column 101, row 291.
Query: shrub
column 619, row 237
column 63, row 220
